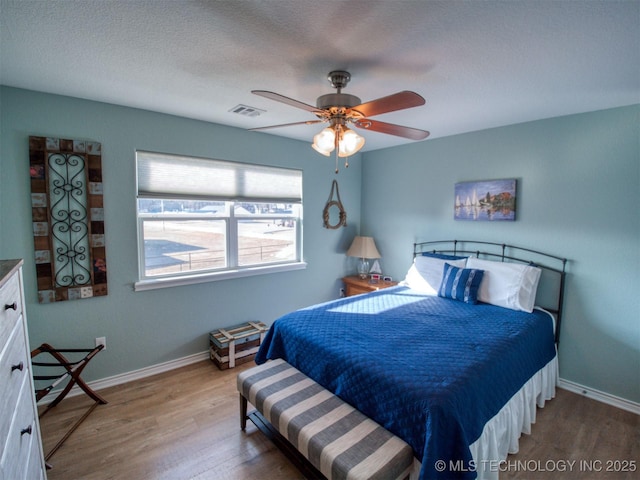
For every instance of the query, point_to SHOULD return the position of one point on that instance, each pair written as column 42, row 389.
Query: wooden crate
column 236, row 345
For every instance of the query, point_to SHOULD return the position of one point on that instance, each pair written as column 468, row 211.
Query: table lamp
column 363, row 248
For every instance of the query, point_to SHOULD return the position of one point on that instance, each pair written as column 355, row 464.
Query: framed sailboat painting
column 486, row 200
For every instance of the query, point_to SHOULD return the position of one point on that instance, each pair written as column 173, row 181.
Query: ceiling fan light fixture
column 350, row 143
column 340, row 109
column 324, row 142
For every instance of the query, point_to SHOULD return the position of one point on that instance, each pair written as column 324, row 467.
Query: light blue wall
column 578, row 197
column 147, row 328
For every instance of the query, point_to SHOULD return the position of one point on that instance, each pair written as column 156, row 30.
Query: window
column 202, row 219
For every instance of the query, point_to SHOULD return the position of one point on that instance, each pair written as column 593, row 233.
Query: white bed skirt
column 501, row 434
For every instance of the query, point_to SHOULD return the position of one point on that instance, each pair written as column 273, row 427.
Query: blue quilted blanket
column 431, row 370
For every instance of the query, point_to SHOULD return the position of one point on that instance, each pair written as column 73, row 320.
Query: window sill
column 153, row 284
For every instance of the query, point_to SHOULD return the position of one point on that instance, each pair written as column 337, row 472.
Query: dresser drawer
column 18, row 445
column 10, row 308
column 12, row 378
column 34, row 467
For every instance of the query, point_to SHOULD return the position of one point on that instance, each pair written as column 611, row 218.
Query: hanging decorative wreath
column 342, row 214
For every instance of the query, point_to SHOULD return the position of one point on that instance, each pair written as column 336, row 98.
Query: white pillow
column 425, row 275
column 508, row 285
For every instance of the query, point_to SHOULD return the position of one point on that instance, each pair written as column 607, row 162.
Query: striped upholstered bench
column 337, row 439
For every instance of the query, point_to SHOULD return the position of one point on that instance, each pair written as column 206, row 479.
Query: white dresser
column 21, row 454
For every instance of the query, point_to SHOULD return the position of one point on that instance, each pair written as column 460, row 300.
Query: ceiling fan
column 341, row 109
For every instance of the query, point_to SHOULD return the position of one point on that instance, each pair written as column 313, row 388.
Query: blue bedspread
column 431, row 370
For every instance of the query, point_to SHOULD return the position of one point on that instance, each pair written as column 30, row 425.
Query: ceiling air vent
column 247, row 111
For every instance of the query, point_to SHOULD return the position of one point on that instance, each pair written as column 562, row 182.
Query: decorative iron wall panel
column 68, row 218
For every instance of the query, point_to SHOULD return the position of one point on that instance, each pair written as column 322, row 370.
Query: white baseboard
column 131, row 376
column 603, row 397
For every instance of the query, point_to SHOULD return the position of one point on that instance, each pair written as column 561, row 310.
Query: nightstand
column 355, row 285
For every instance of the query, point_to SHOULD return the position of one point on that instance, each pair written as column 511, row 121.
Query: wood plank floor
column 184, row 425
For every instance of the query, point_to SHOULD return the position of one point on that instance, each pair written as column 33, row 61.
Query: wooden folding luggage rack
column 73, row 369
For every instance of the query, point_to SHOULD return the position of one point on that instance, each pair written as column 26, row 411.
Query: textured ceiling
column 478, row 64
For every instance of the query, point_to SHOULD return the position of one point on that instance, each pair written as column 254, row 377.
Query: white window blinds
column 163, row 175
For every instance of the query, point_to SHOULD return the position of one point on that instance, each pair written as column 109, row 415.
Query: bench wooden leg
column 243, row 412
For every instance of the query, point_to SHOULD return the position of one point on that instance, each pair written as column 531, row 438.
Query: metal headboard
column 552, row 264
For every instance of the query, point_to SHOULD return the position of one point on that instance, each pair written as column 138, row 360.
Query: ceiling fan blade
column 289, row 101
column 391, row 129
column 391, row 103
column 309, row 122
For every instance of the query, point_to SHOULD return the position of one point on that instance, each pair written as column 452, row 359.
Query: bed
column 453, row 360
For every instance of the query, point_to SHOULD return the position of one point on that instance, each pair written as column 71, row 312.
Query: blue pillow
column 442, row 256
column 460, row 283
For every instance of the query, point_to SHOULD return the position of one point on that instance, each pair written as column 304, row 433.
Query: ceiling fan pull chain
column 339, row 134
column 336, row 148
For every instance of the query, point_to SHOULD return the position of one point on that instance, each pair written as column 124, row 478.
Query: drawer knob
column 26, row 430
column 13, row 306
column 19, row 366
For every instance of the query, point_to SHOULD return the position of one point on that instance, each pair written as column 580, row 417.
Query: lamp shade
column 363, row 247
column 350, row 143
column 324, row 142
